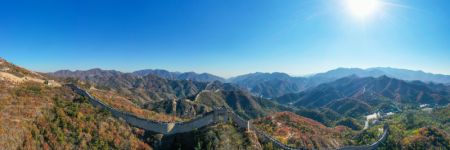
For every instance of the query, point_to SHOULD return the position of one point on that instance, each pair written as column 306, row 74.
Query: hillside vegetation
column 124, row 104
column 75, row 124
column 416, row 129
column 37, row 115
column 223, row 136
column 141, row 89
column 356, row 97
column 299, row 131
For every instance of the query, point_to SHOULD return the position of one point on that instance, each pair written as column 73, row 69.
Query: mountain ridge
column 363, row 95
column 404, row 74
column 270, row 85
column 202, row 77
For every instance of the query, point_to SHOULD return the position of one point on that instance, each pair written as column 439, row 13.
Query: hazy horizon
column 227, row 38
column 227, row 77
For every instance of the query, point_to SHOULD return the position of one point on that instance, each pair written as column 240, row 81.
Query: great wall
column 216, row 116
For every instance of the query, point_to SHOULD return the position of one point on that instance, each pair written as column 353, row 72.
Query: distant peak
column 279, row 73
column 269, row 73
column 345, row 68
column 95, row 69
column 191, row 72
column 384, row 77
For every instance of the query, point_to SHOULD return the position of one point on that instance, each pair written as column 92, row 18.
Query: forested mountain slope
column 37, row 113
column 368, row 93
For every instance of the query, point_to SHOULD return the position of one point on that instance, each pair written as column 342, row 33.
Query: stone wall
column 238, row 121
column 213, row 117
column 166, row 128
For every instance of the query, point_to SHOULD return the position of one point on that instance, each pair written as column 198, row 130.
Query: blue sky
column 224, row 37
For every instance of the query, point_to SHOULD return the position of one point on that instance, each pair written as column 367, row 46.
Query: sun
column 363, row 8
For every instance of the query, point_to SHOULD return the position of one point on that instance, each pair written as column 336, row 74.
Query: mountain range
column 328, row 93
column 92, row 73
column 39, row 113
column 319, row 111
column 202, row 77
column 403, row 74
column 163, row 95
column 269, row 85
column 272, row 85
column 354, row 94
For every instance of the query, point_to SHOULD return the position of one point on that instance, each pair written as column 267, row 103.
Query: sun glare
column 362, row 8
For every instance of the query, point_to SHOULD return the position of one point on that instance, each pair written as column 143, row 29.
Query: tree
column 410, row 120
